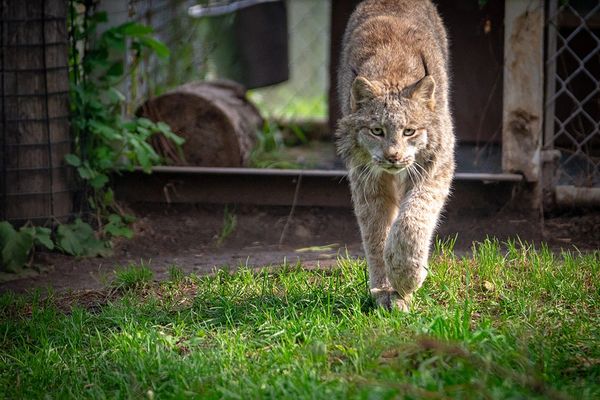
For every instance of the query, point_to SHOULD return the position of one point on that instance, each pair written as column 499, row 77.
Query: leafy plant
column 79, row 239
column 268, row 150
column 18, row 246
column 105, row 139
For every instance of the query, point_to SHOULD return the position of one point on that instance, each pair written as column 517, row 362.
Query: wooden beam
column 523, row 107
column 267, row 187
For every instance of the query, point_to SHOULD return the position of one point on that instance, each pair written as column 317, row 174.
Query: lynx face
column 390, row 128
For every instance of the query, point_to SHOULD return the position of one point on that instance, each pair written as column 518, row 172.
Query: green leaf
column 73, row 160
column 114, row 40
column 115, row 95
column 161, row 50
column 109, row 197
column 16, row 247
column 116, row 70
column 78, row 239
column 43, row 237
column 85, row 172
column 69, row 241
column 129, row 125
column 6, row 232
column 169, row 134
column 116, row 227
column 135, row 29
column 99, row 181
column 128, row 218
column 144, row 132
column 99, row 17
column 106, row 131
column 142, row 156
column 145, row 122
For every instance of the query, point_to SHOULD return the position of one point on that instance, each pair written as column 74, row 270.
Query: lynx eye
column 409, row 132
column 377, row 131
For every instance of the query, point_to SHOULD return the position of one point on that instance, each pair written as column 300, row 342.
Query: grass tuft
column 176, row 274
column 508, row 321
column 132, row 276
column 229, row 225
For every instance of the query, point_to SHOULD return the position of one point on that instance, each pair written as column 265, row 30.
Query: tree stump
column 216, row 120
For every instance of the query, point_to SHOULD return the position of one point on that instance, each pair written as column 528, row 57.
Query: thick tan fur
column 396, row 137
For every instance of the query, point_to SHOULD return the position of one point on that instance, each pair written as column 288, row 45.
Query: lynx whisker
column 422, row 168
column 417, row 172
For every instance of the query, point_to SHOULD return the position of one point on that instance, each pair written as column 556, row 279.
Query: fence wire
column 205, row 49
column 573, row 91
column 35, row 184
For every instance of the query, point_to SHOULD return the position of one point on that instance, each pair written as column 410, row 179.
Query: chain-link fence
column 572, row 123
column 216, row 46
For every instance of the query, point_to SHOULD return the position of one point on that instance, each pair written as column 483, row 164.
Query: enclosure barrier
column 34, row 105
column 571, row 157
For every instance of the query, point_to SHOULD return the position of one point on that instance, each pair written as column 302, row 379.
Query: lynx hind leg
column 406, row 251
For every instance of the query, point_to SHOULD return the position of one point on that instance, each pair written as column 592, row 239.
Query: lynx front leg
column 375, row 214
column 407, row 247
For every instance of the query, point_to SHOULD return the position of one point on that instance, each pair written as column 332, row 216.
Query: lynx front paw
column 390, row 299
column 400, row 303
column 382, row 297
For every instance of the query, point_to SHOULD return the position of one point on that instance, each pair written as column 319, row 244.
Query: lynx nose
column 393, row 158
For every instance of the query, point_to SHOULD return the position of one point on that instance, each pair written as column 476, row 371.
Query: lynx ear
column 425, row 91
column 363, row 90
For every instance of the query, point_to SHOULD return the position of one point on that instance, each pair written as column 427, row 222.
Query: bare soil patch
column 186, row 236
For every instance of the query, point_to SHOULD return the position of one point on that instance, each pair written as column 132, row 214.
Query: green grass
column 518, row 323
column 132, row 276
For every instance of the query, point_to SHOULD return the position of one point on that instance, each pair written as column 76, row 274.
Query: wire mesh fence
column 232, row 45
column 572, row 123
column 35, row 183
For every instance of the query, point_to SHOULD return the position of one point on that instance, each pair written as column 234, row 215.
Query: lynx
column 396, row 138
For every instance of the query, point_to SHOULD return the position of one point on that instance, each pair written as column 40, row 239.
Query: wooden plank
column 312, row 173
column 523, row 107
column 270, row 188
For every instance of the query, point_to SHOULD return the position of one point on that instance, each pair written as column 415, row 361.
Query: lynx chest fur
column 396, row 137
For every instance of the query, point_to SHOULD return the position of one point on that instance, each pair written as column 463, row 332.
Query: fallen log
column 216, row 120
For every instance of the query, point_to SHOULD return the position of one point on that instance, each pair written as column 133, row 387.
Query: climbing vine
column 106, row 140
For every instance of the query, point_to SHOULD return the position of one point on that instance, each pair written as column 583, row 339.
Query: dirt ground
column 188, row 236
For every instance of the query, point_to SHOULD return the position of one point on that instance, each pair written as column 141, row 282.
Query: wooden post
column 523, row 108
